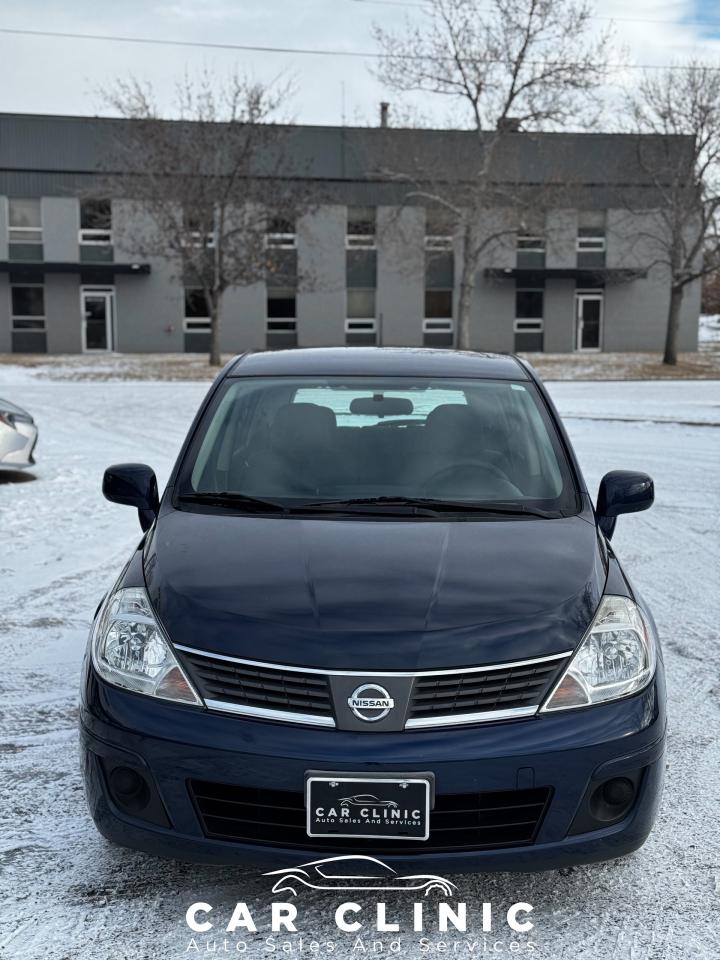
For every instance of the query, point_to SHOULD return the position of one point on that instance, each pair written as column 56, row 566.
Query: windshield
column 304, row 441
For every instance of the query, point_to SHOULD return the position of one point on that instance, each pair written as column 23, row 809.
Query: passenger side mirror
column 622, row 491
column 135, row 485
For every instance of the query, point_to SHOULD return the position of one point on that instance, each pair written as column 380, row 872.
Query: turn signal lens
column 616, row 658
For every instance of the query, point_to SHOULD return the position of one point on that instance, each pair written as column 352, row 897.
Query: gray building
column 384, row 271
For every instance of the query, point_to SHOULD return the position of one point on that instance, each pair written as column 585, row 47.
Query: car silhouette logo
column 353, row 872
column 367, row 800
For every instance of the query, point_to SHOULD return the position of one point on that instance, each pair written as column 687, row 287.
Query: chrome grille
column 262, row 690
column 494, row 689
column 438, row 698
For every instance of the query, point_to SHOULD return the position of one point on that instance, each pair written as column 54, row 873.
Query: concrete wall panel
column 560, row 236
column 321, row 283
column 150, row 307
column 243, row 319
column 401, row 275
column 62, row 313
column 61, row 222
column 559, row 319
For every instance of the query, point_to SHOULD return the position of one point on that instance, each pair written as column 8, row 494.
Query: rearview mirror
column 135, row 485
column 380, row 406
column 622, row 491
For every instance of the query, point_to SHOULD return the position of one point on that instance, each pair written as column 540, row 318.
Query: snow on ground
column 709, row 330
column 704, row 364
column 66, row 893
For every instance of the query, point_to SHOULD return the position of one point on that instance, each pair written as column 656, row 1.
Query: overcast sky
column 51, row 75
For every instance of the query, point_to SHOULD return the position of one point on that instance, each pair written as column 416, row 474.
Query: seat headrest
column 303, row 424
column 451, row 427
column 450, row 416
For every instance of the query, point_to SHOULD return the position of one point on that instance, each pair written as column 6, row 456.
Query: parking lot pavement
column 66, row 893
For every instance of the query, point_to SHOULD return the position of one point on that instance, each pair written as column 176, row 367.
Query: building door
column 588, row 321
column 98, row 317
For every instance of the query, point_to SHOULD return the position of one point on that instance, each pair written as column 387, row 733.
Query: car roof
column 369, row 361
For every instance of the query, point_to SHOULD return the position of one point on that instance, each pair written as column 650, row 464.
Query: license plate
column 373, row 807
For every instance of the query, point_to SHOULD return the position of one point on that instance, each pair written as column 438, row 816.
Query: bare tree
column 682, row 232
column 213, row 182
column 513, row 65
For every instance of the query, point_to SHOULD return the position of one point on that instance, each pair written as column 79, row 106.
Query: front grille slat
column 474, row 692
column 252, row 686
column 473, row 821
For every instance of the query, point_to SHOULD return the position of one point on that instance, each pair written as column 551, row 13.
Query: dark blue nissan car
column 375, row 611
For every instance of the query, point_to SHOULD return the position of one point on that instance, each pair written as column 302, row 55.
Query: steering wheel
column 473, row 465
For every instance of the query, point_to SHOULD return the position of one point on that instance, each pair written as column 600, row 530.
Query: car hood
column 362, row 594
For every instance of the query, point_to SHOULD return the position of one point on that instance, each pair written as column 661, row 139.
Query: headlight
column 130, row 650
column 616, row 658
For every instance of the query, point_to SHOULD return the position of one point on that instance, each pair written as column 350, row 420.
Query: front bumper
column 172, row 745
column 17, row 446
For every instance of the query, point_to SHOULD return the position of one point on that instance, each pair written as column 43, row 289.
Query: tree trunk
column 467, row 283
column 215, row 358
column 464, row 313
column 673, row 324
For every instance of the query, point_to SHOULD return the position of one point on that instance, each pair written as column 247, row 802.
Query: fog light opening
column 612, row 799
column 129, row 789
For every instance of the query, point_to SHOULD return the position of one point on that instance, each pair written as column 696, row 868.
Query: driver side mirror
column 135, row 485
column 622, row 491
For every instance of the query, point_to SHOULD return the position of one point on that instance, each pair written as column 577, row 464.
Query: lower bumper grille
column 460, row 821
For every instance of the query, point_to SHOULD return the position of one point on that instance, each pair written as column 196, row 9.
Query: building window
column 530, row 251
column 438, row 324
column 281, row 334
column 25, row 236
column 197, row 234
column 197, row 312
column 438, row 241
column 95, row 222
column 360, row 303
column 438, row 333
column 281, row 304
column 361, row 333
column 27, row 307
column 590, row 246
column 528, row 326
column 361, row 228
column 281, row 234
column 438, row 304
column 24, row 221
column 281, row 324
column 438, row 232
column 196, row 322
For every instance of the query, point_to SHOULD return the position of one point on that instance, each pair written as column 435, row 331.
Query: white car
column 18, row 436
column 354, row 873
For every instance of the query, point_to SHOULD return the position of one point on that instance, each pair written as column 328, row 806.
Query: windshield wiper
column 435, row 506
column 426, row 506
column 227, row 499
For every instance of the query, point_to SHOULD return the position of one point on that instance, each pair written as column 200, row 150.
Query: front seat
column 455, row 436
column 297, row 459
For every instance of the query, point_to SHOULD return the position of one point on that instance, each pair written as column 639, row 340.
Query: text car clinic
column 348, row 918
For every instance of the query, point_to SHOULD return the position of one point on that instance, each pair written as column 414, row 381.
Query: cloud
column 62, row 76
